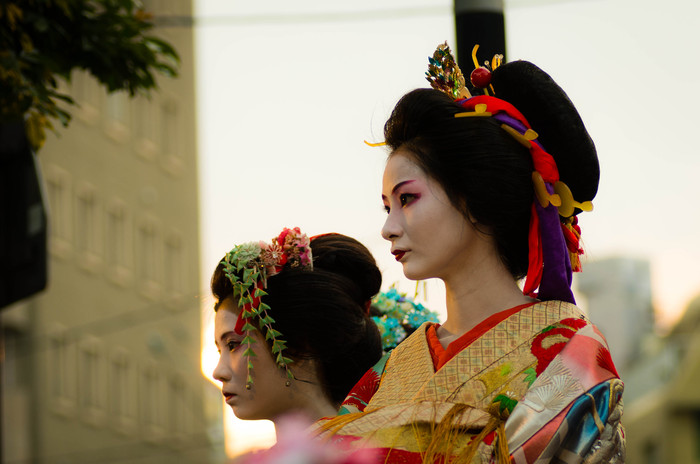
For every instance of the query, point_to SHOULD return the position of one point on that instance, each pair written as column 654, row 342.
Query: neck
column 477, row 292
column 311, row 402
column 296, row 420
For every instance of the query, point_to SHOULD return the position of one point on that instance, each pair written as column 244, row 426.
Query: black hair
column 323, row 313
column 484, row 171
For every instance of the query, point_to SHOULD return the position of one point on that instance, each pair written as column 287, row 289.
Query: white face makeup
column 268, row 397
column 428, row 235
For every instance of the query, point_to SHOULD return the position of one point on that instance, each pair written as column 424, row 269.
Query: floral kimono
column 536, row 386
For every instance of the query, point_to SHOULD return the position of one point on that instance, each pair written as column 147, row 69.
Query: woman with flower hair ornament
column 482, row 191
column 292, row 324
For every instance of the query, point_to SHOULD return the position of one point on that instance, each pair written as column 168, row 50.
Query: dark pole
column 479, row 22
column 2, row 379
column 23, row 228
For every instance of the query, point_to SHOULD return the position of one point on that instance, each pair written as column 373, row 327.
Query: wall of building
column 662, row 400
column 107, row 359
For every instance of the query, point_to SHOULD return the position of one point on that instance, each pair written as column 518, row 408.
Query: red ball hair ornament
column 480, row 77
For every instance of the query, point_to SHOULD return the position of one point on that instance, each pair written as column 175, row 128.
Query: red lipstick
column 228, row 396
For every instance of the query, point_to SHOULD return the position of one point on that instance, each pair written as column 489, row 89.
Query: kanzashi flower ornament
column 248, row 266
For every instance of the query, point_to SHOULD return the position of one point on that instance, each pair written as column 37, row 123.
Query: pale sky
column 288, row 91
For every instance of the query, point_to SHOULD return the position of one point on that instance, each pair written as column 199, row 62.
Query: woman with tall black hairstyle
column 292, row 324
column 482, row 191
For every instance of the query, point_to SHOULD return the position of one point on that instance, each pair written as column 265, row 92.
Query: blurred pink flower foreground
column 296, row 446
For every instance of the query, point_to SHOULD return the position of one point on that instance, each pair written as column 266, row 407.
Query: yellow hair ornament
column 543, row 196
column 562, row 197
column 481, row 76
column 568, row 204
column 476, row 62
column 479, row 110
column 524, row 139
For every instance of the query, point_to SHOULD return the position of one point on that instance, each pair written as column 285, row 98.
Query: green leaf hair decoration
column 248, row 266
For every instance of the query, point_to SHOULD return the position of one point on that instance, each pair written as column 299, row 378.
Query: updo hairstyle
column 484, row 171
column 322, row 313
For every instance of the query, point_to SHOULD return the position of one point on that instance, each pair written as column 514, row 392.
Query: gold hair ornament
column 481, row 76
column 479, row 110
column 444, row 74
column 562, row 197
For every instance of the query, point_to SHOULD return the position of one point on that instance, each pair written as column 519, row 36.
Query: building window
column 118, row 247
column 152, row 405
column 177, row 408
column 17, row 396
column 63, row 372
column 87, row 228
column 122, row 395
column 118, row 116
column 174, row 269
column 88, row 95
column 148, row 257
column 146, row 127
column 58, row 184
column 91, row 378
column 171, row 137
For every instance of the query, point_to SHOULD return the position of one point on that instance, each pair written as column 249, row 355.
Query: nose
column 222, row 372
column 391, row 229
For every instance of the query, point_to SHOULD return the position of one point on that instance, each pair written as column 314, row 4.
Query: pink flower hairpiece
column 248, row 266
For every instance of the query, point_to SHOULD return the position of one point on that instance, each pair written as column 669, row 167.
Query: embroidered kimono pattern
column 539, row 387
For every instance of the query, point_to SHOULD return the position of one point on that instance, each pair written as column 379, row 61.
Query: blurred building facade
column 618, row 296
column 662, row 398
column 661, row 372
column 104, row 366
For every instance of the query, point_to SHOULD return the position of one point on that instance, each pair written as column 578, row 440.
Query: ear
column 307, row 369
column 482, row 230
column 468, row 214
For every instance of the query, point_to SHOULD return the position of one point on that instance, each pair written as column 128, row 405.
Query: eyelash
column 232, row 345
column 404, row 199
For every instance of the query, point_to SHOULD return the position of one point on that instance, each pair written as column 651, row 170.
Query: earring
column 287, row 383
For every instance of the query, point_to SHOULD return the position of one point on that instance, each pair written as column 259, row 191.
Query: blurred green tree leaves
column 42, row 41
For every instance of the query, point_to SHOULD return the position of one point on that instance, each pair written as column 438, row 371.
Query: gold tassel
column 338, row 422
column 445, row 434
column 594, row 413
column 468, row 453
column 501, row 449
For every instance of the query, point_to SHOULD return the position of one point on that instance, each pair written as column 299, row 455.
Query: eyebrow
column 222, row 337
column 397, row 186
